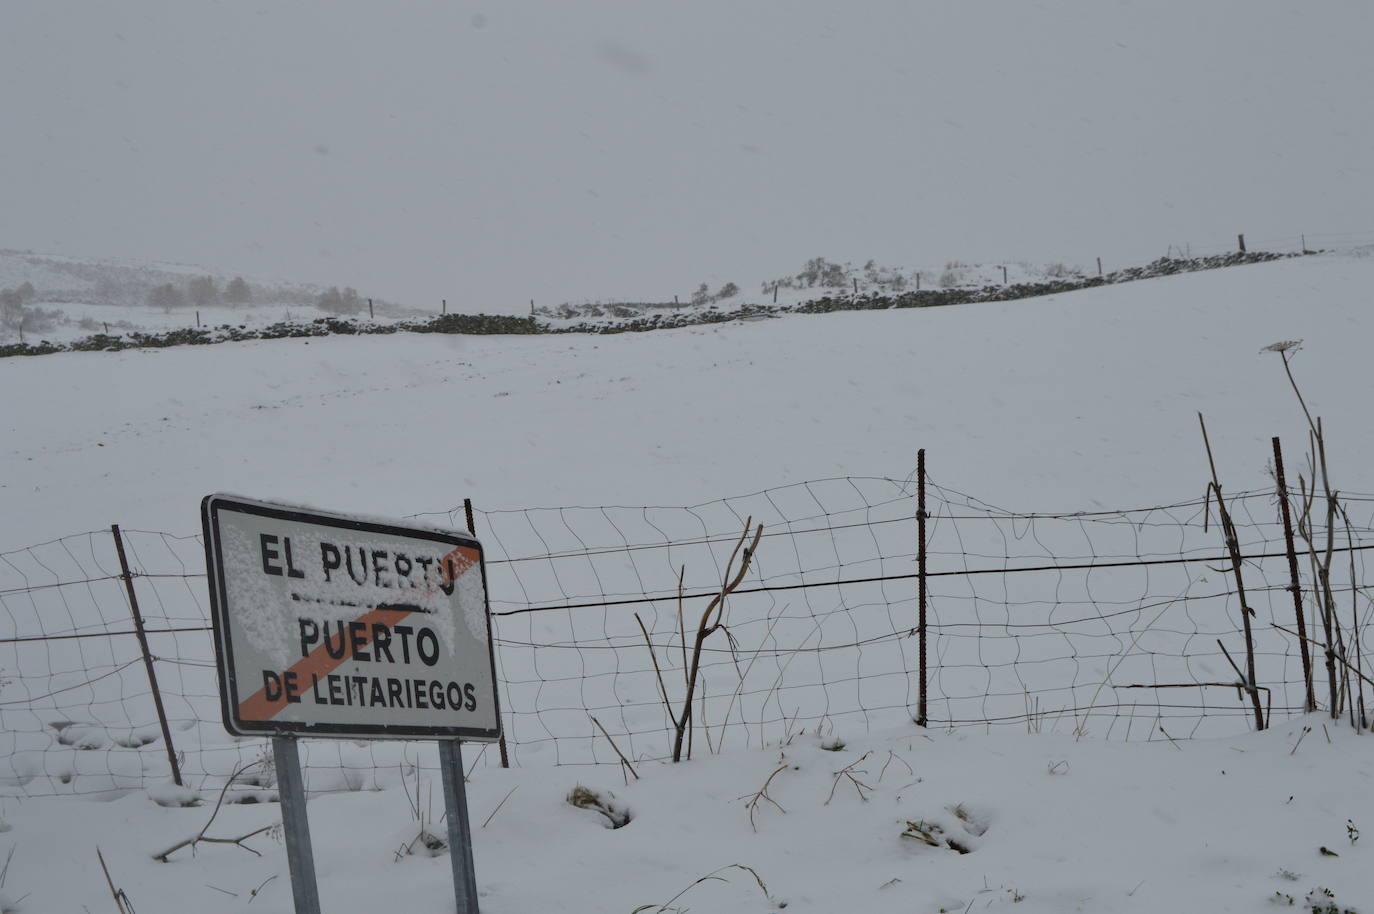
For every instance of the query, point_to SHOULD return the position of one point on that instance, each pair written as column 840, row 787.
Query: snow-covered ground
column 1053, row 826
column 1076, row 401
column 73, row 298
column 1082, row 400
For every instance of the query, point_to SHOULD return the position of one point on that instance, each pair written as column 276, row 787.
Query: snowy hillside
column 1067, row 402
column 67, row 298
column 1083, row 400
column 53, row 303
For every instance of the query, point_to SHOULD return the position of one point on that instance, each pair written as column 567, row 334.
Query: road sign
column 329, row 625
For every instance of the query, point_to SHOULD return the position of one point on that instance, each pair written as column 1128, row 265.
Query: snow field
column 1079, row 401
column 1065, row 826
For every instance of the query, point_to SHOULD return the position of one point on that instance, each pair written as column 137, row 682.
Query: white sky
column 561, row 151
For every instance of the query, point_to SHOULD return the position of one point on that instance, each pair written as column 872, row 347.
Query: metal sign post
column 459, row 828
column 295, row 826
column 342, row 627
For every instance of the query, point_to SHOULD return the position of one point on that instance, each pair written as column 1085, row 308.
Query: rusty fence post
column 1293, row 585
column 472, row 528
column 147, row 656
column 921, row 716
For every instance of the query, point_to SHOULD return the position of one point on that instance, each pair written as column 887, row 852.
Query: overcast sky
column 565, row 151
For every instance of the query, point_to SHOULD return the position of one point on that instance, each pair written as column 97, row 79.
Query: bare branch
column 762, row 794
column 201, row 837
column 499, row 805
column 1228, row 530
column 848, row 772
column 121, row 898
column 623, row 760
column 708, row 625
column 1340, row 660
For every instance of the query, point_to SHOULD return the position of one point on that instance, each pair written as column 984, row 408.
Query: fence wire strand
column 1105, row 623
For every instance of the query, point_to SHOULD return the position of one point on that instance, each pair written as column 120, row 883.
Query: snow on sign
column 330, row 625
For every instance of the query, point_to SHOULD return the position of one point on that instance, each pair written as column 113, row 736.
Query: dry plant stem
column 1328, row 595
column 848, row 772
column 1297, row 392
column 1233, row 548
column 499, row 805
column 710, row 621
column 623, row 760
column 121, row 900
column 253, row 895
column 762, row 794
column 681, row 625
column 709, row 877
column 1317, row 437
column 1355, row 638
column 1320, row 596
column 662, row 689
column 1339, row 659
column 890, row 756
column 201, row 836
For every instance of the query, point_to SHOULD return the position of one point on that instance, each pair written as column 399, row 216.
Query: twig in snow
column 499, row 805
column 253, row 895
column 200, row 837
column 890, row 756
column 762, row 794
column 623, row 760
column 848, row 772
column 121, row 899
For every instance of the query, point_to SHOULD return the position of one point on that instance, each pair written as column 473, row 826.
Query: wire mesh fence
column 1120, row 624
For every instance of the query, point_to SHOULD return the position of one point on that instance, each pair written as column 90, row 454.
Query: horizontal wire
column 968, row 572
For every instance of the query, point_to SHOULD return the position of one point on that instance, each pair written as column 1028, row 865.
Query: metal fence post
column 459, row 827
column 1294, row 586
column 300, row 856
column 472, row 528
column 921, row 716
column 147, row 657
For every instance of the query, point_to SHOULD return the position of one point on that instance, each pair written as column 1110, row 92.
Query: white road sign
column 330, row 625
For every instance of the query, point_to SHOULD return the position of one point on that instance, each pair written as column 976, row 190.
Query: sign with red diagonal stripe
column 330, row 625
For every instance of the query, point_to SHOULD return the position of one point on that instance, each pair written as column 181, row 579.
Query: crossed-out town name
column 363, row 566
column 381, row 637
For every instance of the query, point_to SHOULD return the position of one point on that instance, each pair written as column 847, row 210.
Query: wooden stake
column 1233, row 548
column 1294, row 586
